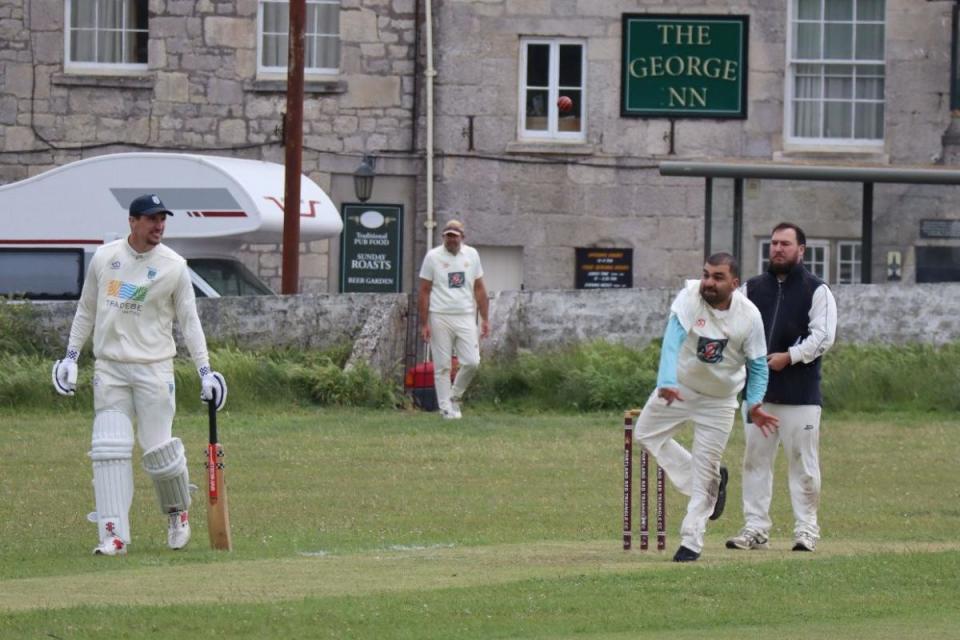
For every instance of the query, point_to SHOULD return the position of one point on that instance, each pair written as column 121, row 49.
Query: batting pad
column 112, row 452
column 166, row 464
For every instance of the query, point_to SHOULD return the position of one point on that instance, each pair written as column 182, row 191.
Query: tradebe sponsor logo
column 126, row 297
column 126, row 291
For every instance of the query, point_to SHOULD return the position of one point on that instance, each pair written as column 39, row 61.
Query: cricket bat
column 218, row 518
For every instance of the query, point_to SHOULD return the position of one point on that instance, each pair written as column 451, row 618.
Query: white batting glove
column 213, row 387
column 65, row 373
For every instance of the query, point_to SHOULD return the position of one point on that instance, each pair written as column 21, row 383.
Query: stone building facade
column 532, row 185
column 604, row 190
column 202, row 88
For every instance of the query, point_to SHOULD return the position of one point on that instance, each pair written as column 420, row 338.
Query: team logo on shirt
column 151, row 273
column 115, row 265
column 125, row 296
column 710, row 350
column 456, row 279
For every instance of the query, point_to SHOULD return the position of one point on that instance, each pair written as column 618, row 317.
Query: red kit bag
column 419, row 379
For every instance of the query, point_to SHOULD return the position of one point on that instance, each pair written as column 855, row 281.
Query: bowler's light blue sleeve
column 757, row 380
column 673, row 338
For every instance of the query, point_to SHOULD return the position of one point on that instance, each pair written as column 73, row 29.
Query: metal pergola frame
column 867, row 175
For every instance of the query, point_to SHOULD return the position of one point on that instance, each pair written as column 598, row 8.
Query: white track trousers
column 800, row 434
column 694, row 473
column 453, row 333
column 144, row 392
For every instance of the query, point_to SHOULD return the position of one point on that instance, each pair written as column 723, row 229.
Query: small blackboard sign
column 939, row 228
column 599, row 268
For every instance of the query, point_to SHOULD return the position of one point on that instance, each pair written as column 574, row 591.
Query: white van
column 51, row 224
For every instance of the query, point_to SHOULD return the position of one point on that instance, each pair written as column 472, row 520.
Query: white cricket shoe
column 748, row 539
column 178, row 529
column 450, row 414
column 804, row 542
column 455, row 408
column 111, row 546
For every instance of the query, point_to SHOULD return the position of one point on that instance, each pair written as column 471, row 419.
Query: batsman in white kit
column 451, row 294
column 713, row 335
column 134, row 289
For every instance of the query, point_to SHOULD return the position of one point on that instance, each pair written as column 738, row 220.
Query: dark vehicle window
column 41, row 274
column 228, row 277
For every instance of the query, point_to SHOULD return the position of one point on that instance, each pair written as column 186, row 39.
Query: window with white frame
column 835, row 72
column 321, row 37
column 848, row 262
column 106, row 34
column 816, row 257
column 552, row 89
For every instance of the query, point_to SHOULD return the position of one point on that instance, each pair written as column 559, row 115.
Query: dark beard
column 781, row 269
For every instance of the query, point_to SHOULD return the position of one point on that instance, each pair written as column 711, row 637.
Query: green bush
column 18, row 334
column 604, row 376
column 588, row 377
column 594, row 376
column 253, row 380
column 914, row 377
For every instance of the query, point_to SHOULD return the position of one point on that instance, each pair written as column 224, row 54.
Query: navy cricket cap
column 148, row 204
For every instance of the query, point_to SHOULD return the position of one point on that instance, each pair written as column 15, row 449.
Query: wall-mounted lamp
column 363, row 178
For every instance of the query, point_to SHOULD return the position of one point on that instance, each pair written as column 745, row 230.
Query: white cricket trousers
column 453, row 333
column 694, row 473
column 800, row 434
column 144, row 392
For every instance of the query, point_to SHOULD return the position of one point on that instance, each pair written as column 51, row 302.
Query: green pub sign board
column 684, row 66
column 371, row 248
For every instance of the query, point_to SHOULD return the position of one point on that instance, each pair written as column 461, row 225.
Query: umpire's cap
column 454, row 227
column 148, row 204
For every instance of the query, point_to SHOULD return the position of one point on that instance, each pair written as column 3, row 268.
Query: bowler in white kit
column 133, row 291
column 713, row 335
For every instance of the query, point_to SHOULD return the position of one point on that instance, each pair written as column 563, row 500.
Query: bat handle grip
column 212, row 412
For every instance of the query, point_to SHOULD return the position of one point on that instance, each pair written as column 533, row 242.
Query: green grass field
column 380, row 524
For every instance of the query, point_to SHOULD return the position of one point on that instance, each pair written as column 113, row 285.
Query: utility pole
column 293, row 164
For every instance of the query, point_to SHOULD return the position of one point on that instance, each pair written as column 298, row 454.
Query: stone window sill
column 139, row 81
column 550, row 148
column 834, row 154
column 264, row 85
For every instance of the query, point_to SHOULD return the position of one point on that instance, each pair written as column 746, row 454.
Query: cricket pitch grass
column 378, row 524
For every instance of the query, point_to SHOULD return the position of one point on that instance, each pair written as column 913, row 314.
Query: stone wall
column 867, row 314
column 376, row 324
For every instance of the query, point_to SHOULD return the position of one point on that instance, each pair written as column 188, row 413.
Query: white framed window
column 321, row 37
column 835, row 73
column 106, row 35
column 848, row 262
column 816, row 257
column 552, row 89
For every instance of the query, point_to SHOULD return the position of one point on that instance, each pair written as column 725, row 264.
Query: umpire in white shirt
column 800, row 323
column 133, row 291
column 451, row 293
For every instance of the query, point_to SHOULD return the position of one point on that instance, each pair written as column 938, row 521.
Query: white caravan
column 51, row 224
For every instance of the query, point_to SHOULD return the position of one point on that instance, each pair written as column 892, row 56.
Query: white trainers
column 804, row 542
column 178, row 529
column 748, row 539
column 111, row 546
column 455, row 408
column 450, row 414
